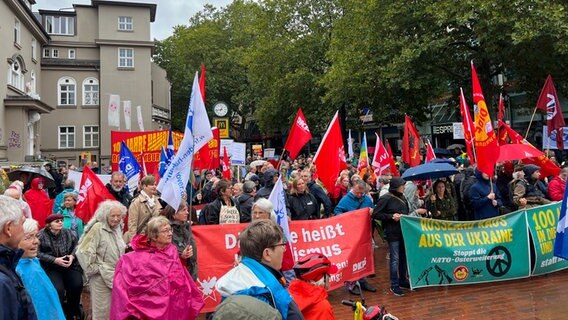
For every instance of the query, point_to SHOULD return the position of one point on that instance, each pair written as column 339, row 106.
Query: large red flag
column 91, row 192
column 486, row 146
column 202, row 82
column 502, row 132
column 392, row 167
column 410, row 143
column 549, row 102
column 430, row 155
column 381, row 159
column 208, row 157
column 330, row 157
column 226, row 164
column 299, row 135
column 468, row 127
column 547, row 167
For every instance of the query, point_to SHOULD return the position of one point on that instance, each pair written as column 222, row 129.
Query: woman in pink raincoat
column 151, row 282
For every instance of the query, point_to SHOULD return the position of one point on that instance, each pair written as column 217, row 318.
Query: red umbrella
column 517, row 151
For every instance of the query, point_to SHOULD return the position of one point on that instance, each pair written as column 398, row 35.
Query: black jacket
column 303, row 206
column 321, row 197
column 245, row 202
column 121, row 196
column 213, row 209
column 389, row 204
column 16, row 302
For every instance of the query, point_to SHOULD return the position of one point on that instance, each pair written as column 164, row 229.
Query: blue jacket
column 482, row 206
column 58, row 204
column 349, row 203
column 16, row 304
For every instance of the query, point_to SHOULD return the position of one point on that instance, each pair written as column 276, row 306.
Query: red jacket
column 556, row 189
column 312, row 300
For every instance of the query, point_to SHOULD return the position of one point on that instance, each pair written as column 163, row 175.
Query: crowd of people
column 138, row 257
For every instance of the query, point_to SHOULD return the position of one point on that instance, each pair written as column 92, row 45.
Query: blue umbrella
column 429, row 170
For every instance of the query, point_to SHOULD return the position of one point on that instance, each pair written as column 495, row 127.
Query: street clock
column 221, row 109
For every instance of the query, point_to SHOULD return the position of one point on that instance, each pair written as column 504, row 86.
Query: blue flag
column 561, row 242
column 164, row 162
column 129, row 167
column 170, row 151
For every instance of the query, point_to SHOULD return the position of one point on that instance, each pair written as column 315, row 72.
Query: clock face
column 221, row 109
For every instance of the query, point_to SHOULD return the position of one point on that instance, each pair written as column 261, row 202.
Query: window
column 16, row 31
column 71, row 53
column 34, row 49
column 125, row 58
column 91, row 92
column 66, row 137
column 125, row 23
column 61, row 25
column 55, row 53
column 16, row 76
column 90, row 136
column 66, row 91
column 46, row 53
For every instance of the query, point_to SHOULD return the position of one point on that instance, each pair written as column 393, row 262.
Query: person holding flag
column 145, row 206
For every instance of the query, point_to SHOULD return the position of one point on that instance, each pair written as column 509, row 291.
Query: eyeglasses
column 31, row 237
column 166, row 231
column 283, row 245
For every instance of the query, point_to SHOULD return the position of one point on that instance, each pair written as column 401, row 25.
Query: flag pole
column 530, row 122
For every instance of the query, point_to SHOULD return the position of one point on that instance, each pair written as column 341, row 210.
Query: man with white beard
column 116, row 188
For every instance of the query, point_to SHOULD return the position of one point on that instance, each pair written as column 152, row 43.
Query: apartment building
column 21, row 107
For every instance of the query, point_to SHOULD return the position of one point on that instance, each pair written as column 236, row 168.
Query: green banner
column 542, row 225
column 449, row 253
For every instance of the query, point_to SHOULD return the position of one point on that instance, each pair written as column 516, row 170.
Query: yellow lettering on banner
column 546, row 247
column 493, row 223
column 454, row 240
column 489, row 237
column 430, row 241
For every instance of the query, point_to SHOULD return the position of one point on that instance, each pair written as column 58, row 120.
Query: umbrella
column 429, row 170
column 448, row 161
column 454, row 146
column 257, row 163
column 442, row 152
column 34, row 172
column 517, row 151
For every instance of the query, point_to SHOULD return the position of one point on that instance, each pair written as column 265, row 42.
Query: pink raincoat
column 151, row 283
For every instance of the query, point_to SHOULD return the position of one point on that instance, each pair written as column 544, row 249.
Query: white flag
column 113, row 110
column 127, row 108
column 350, row 145
column 140, row 119
column 278, row 199
column 197, row 133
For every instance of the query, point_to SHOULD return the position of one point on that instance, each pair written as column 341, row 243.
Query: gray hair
column 30, row 225
column 13, row 193
column 154, row 225
column 361, row 184
column 101, row 215
column 266, row 206
column 10, row 210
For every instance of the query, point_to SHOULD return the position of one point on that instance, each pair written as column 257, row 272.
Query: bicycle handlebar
column 350, row 303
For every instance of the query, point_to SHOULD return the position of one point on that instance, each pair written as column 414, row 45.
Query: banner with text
column 542, row 225
column 345, row 239
column 466, row 252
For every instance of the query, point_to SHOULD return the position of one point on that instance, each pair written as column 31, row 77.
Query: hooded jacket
column 151, row 283
column 312, row 300
column 268, row 184
column 482, row 206
column 556, row 189
column 39, row 202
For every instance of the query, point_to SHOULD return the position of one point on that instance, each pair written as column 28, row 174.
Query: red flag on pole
column 208, row 157
column 144, row 171
column 330, row 157
column 202, row 82
column 299, row 135
column 91, row 192
column 502, row 132
column 486, row 146
column 226, row 164
column 410, row 143
column 549, row 102
column 430, row 155
column 381, row 158
column 468, row 127
column 392, row 167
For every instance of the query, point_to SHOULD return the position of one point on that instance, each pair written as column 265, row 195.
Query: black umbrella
column 32, row 172
column 455, row 146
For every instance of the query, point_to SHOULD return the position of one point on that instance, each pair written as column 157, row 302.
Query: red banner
column 345, row 239
column 208, row 156
column 149, row 142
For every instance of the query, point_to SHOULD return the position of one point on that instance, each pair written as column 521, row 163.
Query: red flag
column 502, row 132
column 549, row 102
column 207, row 158
column 381, row 158
column 485, row 139
column 330, row 157
column 91, row 192
column 202, row 82
column 410, row 143
column 392, row 167
column 430, row 155
column 226, row 165
column 468, row 127
column 299, row 135
column 547, row 167
column 144, row 171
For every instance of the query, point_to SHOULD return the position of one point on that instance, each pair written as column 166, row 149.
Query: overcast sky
column 168, row 14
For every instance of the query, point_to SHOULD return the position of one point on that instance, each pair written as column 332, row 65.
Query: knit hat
column 53, row 217
column 396, row 182
column 529, row 169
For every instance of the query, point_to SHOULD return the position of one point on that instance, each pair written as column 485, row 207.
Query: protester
column 270, row 177
column 42, row 292
column 245, row 200
column 263, row 209
column 390, row 208
column 318, row 192
column 70, row 220
column 223, row 210
column 56, row 255
column 182, row 236
column 258, row 275
column 142, row 208
column 69, row 186
column 415, row 204
column 116, row 187
column 16, row 302
column 309, row 290
column 485, row 197
column 441, row 204
column 151, row 282
column 57, row 179
column 39, row 201
column 557, row 185
column 98, row 252
column 303, row 204
column 239, row 307
column 468, row 181
column 16, row 194
column 355, row 199
column 530, row 192
column 341, row 189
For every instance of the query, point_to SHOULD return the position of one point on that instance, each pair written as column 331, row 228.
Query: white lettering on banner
column 329, row 232
column 302, row 124
column 231, row 241
column 359, row 266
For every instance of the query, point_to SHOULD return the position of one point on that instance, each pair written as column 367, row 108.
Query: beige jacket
column 138, row 213
column 99, row 251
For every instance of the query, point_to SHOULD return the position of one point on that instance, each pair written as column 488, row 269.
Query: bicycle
column 363, row 312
